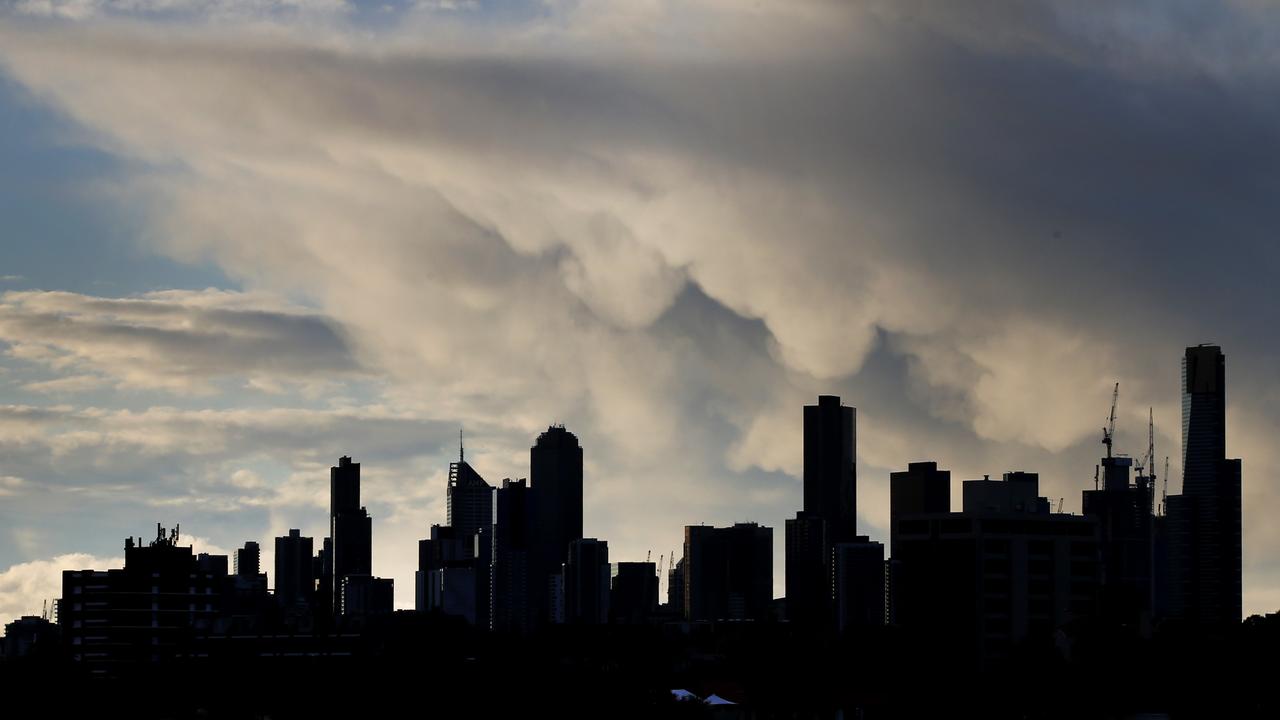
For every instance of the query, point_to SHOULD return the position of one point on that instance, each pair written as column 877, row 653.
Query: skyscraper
column 728, row 572
column 248, row 560
column 921, row 488
column 830, row 509
column 512, row 538
column 830, row 474
column 350, row 527
column 555, row 466
column 470, row 499
column 295, row 574
column 586, row 582
column 1205, row 520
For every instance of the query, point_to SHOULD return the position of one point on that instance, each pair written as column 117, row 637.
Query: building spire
column 461, row 455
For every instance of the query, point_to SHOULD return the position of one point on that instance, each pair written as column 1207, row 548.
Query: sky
column 242, row 238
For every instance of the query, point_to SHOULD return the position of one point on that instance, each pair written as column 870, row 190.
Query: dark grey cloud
column 175, row 339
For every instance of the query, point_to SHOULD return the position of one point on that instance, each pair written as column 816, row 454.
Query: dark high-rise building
column 675, row 589
column 980, row 582
column 858, row 569
column 248, row 561
column 454, row 573
column 366, row 595
column 145, row 611
column 830, row 511
column 633, row 598
column 511, row 551
column 728, row 572
column 1204, row 522
column 922, row 488
column 555, row 465
column 830, row 474
column 586, row 582
column 1123, row 512
column 29, row 636
column 350, row 527
column 295, row 572
column 469, row 499
column 808, row 593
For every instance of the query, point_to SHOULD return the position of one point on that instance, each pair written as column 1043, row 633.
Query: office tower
column 511, row 550
column 1122, row 510
column 350, row 527
column 469, row 499
column 921, row 488
column 366, row 595
column 555, row 465
column 295, row 572
column 145, row 611
column 1204, row 522
column 1018, row 492
column 248, row 560
column 808, row 595
column 728, row 572
column 249, row 601
column 29, row 636
column 979, row 582
column 323, row 568
column 453, row 573
column 859, row 583
column 586, row 582
column 675, row 589
column 829, row 514
column 830, row 475
column 633, row 597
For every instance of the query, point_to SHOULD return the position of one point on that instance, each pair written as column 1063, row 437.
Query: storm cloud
column 669, row 225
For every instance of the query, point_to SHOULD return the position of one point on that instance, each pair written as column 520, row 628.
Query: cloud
column 25, row 586
column 173, row 340
column 68, row 384
column 671, row 224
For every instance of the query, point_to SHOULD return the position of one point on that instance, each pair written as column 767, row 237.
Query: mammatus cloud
column 671, row 224
column 174, row 340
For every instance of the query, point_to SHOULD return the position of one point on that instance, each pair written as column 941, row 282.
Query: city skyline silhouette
column 470, row 311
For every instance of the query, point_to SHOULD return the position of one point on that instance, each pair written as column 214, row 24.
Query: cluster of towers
column 1003, row 569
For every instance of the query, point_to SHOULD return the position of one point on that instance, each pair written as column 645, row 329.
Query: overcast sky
column 241, row 238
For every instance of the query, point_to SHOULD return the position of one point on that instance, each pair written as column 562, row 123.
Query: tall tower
column 555, row 478
column 829, row 514
column 1205, row 520
column 830, row 475
column 350, row 527
column 295, row 576
column 1204, row 416
column 470, row 498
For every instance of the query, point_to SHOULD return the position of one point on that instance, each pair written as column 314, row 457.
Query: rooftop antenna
column 461, row 456
column 1109, row 432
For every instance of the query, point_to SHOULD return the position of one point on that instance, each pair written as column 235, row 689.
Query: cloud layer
column 670, row 225
column 173, row 340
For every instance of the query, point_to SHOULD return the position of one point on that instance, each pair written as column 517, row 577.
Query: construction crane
column 1164, row 495
column 1150, row 459
column 1109, row 432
